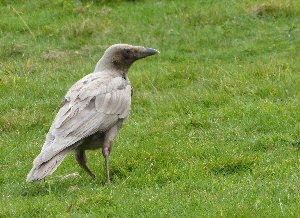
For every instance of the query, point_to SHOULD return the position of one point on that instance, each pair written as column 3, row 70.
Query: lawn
column 214, row 129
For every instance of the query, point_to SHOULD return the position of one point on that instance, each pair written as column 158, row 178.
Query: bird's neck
column 102, row 66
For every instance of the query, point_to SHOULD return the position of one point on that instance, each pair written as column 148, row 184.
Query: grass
column 214, row 128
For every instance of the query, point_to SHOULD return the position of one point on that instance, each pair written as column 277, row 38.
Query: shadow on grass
column 296, row 144
column 273, row 10
column 231, row 168
column 120, row 173
column 57, row 186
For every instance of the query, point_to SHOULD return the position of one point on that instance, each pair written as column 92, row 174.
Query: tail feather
column 40, row 171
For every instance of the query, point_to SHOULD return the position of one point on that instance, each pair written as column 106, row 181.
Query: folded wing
column 93, row 104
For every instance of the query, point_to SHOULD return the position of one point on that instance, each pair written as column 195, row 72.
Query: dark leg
column 81, row 160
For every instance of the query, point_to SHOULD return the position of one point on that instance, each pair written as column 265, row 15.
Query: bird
column 92, row 113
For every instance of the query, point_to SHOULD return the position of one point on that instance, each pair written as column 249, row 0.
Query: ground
column 214, row 128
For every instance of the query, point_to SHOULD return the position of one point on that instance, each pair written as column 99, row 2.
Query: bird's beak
column 145, row 52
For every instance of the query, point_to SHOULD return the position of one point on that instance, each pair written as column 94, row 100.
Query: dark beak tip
column 151, row 51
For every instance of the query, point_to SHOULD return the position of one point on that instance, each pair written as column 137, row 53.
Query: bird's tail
column 40, row 171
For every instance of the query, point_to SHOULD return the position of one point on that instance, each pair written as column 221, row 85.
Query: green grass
column 214, row 128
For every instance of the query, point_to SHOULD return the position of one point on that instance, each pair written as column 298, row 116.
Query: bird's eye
column 127, row 53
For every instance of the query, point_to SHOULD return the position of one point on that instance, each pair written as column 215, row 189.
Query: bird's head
column 121, row 56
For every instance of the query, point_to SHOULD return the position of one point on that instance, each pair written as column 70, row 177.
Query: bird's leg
column 81, row 160
column 107, row 145
column 106, row 153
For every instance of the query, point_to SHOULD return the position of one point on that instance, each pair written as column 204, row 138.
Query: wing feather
column 93, row 104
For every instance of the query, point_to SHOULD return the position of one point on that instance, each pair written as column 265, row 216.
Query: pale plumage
column 92, row 112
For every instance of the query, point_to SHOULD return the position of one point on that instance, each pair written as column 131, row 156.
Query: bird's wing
column 93, row 104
